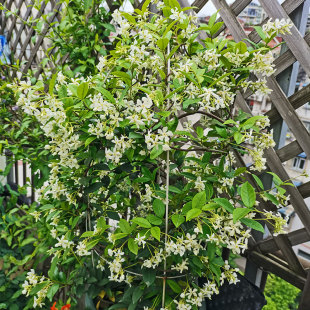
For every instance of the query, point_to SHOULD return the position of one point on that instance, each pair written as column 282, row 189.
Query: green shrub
column 280, row 295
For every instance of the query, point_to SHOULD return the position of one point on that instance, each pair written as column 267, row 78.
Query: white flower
column 64, row 243
column 180, row 267
column 81, row 249
column 140, row 240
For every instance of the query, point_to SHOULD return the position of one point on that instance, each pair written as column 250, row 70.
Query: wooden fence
column 275, row 253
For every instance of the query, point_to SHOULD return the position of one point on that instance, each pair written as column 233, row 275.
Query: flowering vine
column 144, row 181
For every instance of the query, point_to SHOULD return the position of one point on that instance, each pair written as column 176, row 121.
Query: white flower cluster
column 155, row 260
column 262, row 63
column 278, row 26
column 33, row 280
column 162, row 137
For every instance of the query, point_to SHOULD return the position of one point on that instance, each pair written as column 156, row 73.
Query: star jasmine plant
column 146, row 185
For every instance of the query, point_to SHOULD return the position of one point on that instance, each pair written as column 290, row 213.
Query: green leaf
column 215, row 28
column 87, row 234
column 239, row 171
column 52, row 83
column 93, row 187
column 212, row 19
column 276, row 179
column 91, row 244
column 174, row 286
column 149, row 276
column 253, row 224
column 124, row 226
column 211, row 250
column 258, row 181
column 124, row 76
column 52, row 291
column 241, row 46
column 260, row 32
column 248, row 195
column 132, row 246
column 240, row 213
column 223, row 202
column 142, row 222
column 199, row 200
column 177, row 220
column 272, row 198
column 162, row 43
column 156, row 151
column 210, row 206
column 106, row 94
column 159, row 208
column 82, row 90
column 155, row 231
column 154, row 220
column 89, row 140
column 137, row 293
column 87, row 4
column 174, row 189
column 239, row 137
column 135, row 135
column 191, row 214
column 38, row 287
column 119, row 236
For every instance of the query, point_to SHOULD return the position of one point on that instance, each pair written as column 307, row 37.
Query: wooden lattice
column 273, row 254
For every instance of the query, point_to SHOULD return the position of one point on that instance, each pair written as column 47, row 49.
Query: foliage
column 82, row 35
column 136, row 201
column 280, row 294
column 12, row 248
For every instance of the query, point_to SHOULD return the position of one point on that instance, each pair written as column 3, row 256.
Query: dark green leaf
column 253, row 224
column 248, row 195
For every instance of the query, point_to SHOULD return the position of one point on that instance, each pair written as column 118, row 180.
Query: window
column 307, row 125
column 252, row 12
column 299, row 163
column 304, row 254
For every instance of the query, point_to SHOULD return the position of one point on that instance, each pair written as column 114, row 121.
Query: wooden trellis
column 275, row 253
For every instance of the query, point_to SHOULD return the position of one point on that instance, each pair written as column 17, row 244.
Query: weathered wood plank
column 289, row 151
column 287, row 58
column 295, row 41
column 199, row 4
column 269, row 264
column 237, row 7
column 230, row 20
column 286, row 248
column 297, row 100
column 289, row 115
column 304, row 303
column 304, row 190
column 295, row 237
